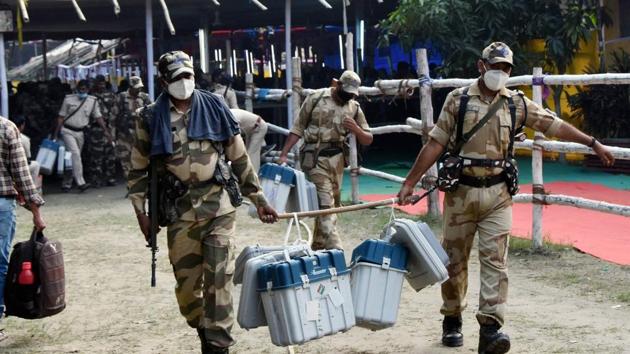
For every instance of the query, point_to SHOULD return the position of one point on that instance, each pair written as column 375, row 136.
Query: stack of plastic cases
column 427, row 259
column 250, row 309
column 304, row 196
column 248, row 253
column 307, row 297
column 378, row 270
column 277, row 182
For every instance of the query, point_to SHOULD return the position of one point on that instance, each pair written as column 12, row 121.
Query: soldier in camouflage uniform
column 326, row 118
column 101, row 169
column 128, row 103
column 482, row 203
column 201, row 239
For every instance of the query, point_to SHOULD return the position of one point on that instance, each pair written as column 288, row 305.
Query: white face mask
column 495, row 79
column 182, row 89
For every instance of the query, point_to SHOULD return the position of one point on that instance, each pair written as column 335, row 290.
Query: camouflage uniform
column 102, row 158
column 324, row 127
column 487, row 211
column 201, row 242
column 127, row 108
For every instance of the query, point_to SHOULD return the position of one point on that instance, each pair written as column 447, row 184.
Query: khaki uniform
column 72, row 131
column 255, row 129
column 101, row 167
column 325, row 127
column 487, row 211
column 127, row 107
column 201, row 242
column 229, row 95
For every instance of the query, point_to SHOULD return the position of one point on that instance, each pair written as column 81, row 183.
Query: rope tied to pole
column 538, row 80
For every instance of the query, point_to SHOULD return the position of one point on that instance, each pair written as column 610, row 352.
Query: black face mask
column 344, row 96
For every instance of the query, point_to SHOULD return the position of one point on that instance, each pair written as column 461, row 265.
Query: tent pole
column 287, row 60
column 3, row 80
column 149, row 40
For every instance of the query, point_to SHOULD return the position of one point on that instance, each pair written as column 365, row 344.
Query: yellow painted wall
column 586, row 57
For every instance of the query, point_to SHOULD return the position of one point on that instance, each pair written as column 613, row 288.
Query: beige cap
column 497, row 52
column 136, row 82
column 350, row 82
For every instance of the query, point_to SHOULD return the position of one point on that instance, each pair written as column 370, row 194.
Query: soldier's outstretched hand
column 604, row 154
column 267, row 214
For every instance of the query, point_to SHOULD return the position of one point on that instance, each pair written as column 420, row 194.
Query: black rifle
column 153, row 214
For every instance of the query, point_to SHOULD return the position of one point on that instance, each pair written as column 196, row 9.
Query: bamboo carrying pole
column 426, row 111
column 537, row 172
column 314, row 213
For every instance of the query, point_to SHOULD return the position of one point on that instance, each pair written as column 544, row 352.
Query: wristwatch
column 592, row 143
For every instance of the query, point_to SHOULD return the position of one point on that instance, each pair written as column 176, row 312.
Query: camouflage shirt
column 492, row 140
column 107, row 105
column 193, row 162
column 127, row 107
column 325, row 123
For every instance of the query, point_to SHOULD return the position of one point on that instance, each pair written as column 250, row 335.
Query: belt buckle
column 484, row 180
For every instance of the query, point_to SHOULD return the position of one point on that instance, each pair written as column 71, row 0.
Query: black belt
column 332, row 151
column 481, row 182
column 73, row 128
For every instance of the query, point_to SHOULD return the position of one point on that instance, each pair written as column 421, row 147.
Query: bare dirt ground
column 560, row 302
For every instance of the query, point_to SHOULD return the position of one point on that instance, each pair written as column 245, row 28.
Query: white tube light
column 362, row 39
column 273, row 59
column 260, row 5
column 234, row 62
column 251, row 61
column 343, row 66
column 325, row 4
column 202, row 50
column 167, row 17
column 247, row 61
column 78, row 10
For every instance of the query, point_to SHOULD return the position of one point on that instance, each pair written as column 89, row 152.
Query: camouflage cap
column 135, row 82
column 350, row 82
column 497, row 52
column 174, row 63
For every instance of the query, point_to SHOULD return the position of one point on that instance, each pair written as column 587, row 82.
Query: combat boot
column 491, row 341
column 452, row 331
column 206, row 347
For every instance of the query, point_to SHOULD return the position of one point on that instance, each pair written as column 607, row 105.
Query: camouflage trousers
column 202, row 256
column 488, row 212
column 327, row 177
column 101, row 166
column 124, row 144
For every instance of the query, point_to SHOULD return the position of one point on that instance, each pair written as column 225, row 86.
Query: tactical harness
column 451, row 163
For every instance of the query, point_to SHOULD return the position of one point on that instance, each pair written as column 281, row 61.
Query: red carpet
column 602, row 235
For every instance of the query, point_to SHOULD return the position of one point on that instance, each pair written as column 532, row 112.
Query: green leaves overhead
column 460, row 29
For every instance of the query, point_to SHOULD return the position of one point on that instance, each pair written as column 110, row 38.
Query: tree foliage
column 605, row 109
column 460, row 29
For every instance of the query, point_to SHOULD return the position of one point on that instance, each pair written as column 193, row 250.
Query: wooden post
column 537, row 170
column 249, row 92
column 296, row 101
column 426, row 112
